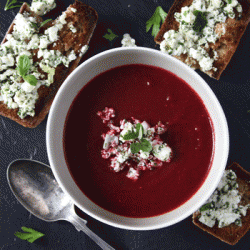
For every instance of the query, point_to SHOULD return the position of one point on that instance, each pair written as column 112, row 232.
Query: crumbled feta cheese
column 52, row 32
column 72, row 28
column 83, row 50
column 133, row 174
column 27, row 87
column 223, row 206
column 23, row 28
column 134, row 142
column 193, row 37
column 128, row 41
column 41, row 7
column 162, row 152
column 24, row 39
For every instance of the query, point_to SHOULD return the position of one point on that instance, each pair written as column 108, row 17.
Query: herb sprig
column 131, row 135
column 143, row 144
column 11, row 4
column 200, row 21
column 23, row 68
column 29, row 234
column 37, row 25
column 155, row 21
column 110, row 35
column 207, row 206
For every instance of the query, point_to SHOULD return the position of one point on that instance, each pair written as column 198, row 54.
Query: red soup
column 149, row 94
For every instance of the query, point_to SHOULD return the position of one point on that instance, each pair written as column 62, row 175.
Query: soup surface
column 149, row 94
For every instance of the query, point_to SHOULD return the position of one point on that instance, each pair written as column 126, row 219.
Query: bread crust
column 225, row 46
column 232, row 233
column 85, row 20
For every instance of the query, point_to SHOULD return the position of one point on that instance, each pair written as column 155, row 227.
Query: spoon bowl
column 36, row 188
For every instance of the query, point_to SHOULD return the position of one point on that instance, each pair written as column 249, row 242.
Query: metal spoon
column 35, row 187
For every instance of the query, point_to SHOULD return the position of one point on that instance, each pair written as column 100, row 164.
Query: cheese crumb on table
column 128, row 41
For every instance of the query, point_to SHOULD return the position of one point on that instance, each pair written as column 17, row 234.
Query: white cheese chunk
column 128, row 41
column 42, row 7
column 162, row 152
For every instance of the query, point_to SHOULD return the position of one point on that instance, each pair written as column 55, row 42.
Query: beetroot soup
column 176, row 162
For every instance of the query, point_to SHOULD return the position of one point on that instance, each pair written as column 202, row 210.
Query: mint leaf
column 30, row 79
column 135, row 148
column 139, row 130
column 110, row 35
column 145, row 145
column 30, row 234
column 155, row 21
column 23, row 65
column 131, row 135
column 44, row 22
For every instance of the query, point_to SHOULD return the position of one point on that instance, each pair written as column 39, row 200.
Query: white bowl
column 101, row 63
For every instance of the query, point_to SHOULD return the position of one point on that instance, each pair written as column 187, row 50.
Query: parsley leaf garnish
column 206, row 207
column 110, row 35
column 200, row 21
column 155, row 21
column 11, row 4
column 30, row 234
column 23, row 67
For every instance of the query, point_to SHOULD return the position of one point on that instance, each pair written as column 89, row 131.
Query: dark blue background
column 232, row 90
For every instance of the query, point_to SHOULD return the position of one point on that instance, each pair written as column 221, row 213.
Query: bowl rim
column 51, row 150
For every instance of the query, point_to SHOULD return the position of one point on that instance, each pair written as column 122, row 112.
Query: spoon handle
column 80, row 225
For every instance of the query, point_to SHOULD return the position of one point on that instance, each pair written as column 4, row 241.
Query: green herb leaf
column 206, row 207
column 44, row 22
column 110, row 35
column 23, row 65
column 135, row 148
column 34, row 25
column 155, row 21
column 30, row 79
column 11, row 4
column 200, row 21
column 139, row 130
column 30, row 234
column 145, row 145
column 131, row 135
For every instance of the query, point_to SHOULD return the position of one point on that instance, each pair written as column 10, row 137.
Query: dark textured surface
column 232, row 90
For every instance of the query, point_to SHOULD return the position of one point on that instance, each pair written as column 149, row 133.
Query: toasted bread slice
column 84, row 19
column 232, row 234
column 225, row 46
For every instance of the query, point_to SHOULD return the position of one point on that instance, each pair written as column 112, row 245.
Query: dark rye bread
column 232, row 233
column 84, row 19
column 225, row 46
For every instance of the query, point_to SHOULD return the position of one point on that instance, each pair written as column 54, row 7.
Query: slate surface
column 232, row 90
